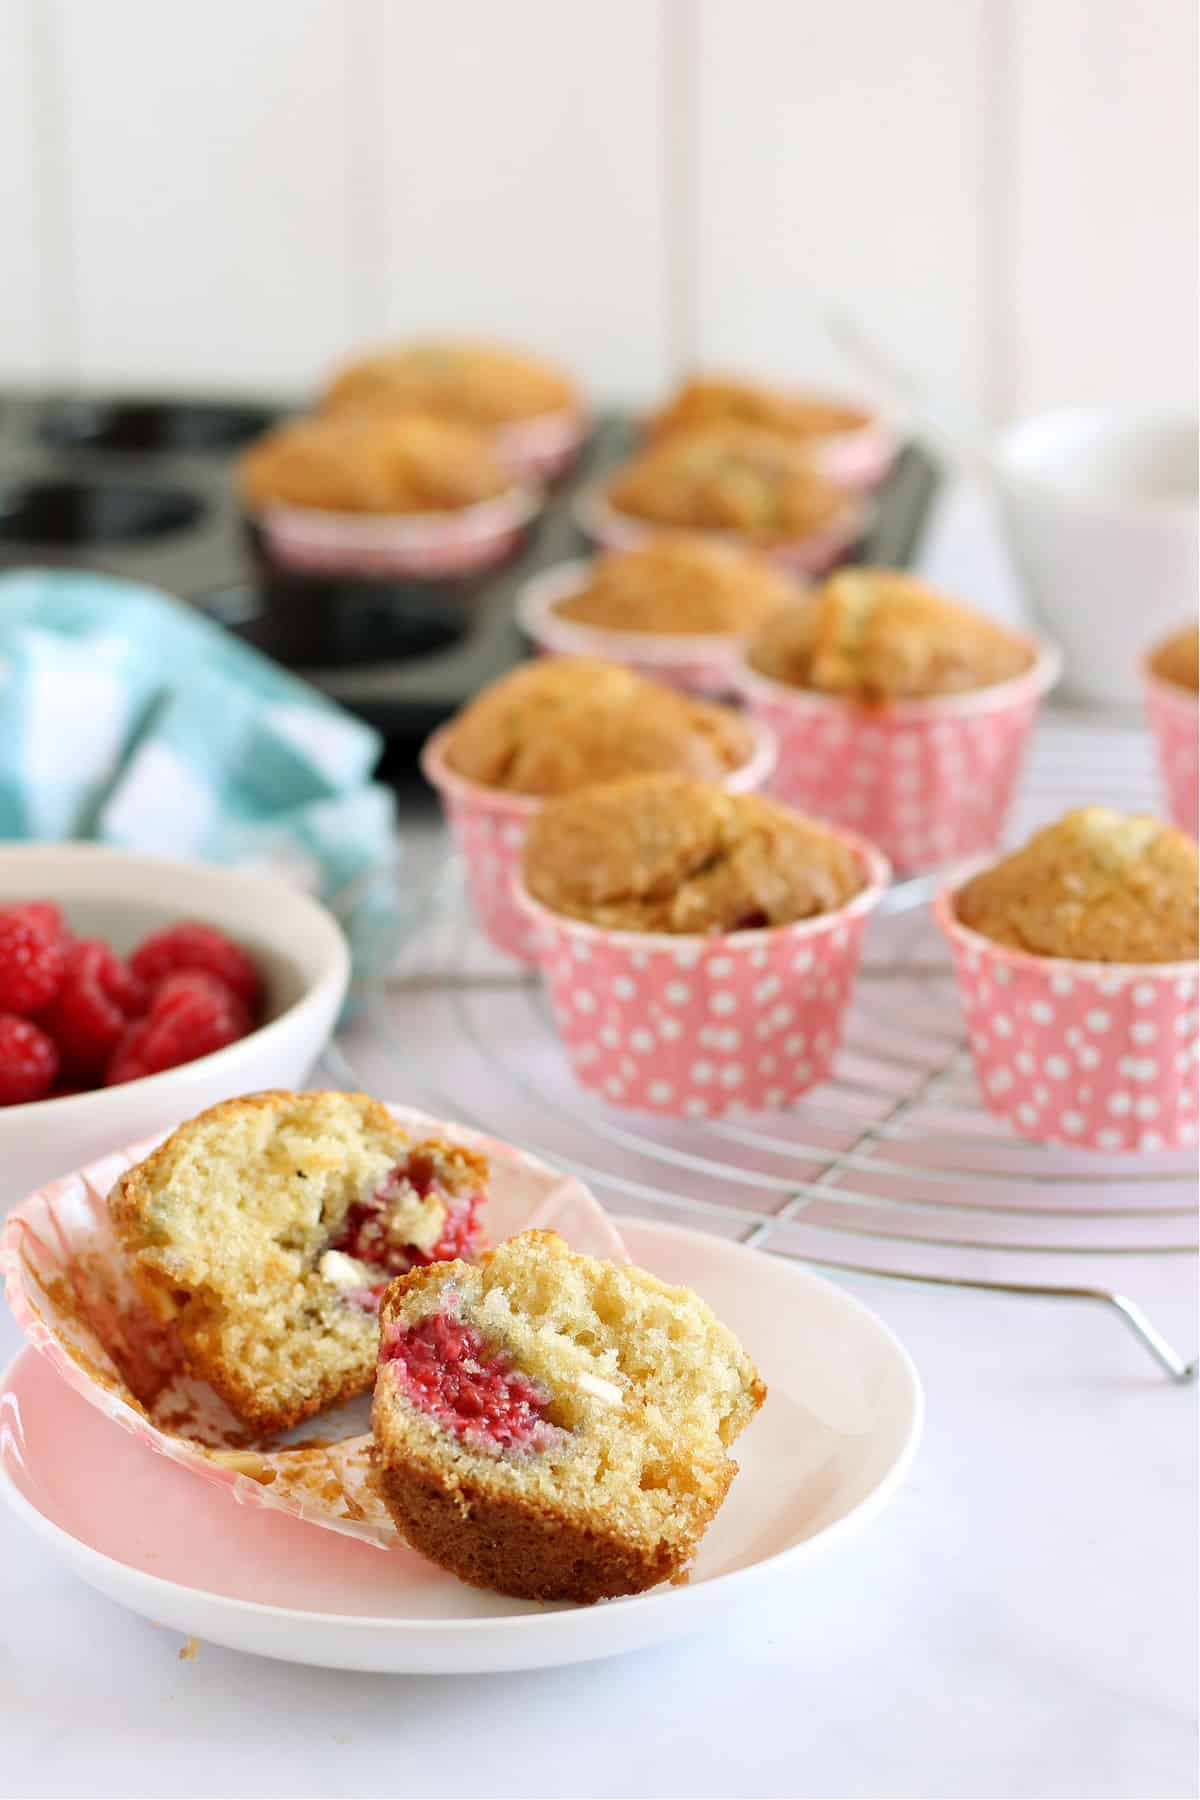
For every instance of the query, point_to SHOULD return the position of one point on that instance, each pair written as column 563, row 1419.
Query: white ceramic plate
column 825, row 1454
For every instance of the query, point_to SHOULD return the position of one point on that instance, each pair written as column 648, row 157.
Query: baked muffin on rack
column 680, row 585
column 661, row 853
column 1177, row 660
column 564, row 722
column 730, row 477
column 266, row 1229
column 1097, row 886
column 393, row 463
column 484, row 385
column 714, row 399
column 874, row 635
column 553, row 1426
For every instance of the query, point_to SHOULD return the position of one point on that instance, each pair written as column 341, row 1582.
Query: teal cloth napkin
column 129, row 718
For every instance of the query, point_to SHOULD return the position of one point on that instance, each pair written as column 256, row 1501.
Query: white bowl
column 121, row 896
column 1101, row 508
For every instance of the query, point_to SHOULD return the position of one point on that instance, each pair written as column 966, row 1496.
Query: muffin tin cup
column 699, row 663
column 1174, row 715
column 811, row 555
column 857, row 460
column 929, row 781
column 698, row 1026
column 1098, row 1055
column 488, row 826
column 311, row 541
column 542, row 448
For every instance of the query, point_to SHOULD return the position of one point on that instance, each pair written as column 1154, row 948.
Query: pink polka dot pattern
column 813, row 555
column 928, row 781
column 1175, row 721
column 489, row 825
column 452, row 543
column 700, row 1026
column 1103, row 1056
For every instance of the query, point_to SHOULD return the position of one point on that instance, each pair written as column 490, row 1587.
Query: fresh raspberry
column 192, row 1014
column 194, row 946
column 447, row 1369
column 50, row 917
column 32, row 955
column 94, row 1004
column 28, row 1061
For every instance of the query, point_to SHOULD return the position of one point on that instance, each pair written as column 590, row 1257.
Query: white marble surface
column 1020, row 1623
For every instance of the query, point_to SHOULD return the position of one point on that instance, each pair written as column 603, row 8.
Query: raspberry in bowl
column 1076, row 959
column 550, row 728
column 149, row 989
column 699, row 947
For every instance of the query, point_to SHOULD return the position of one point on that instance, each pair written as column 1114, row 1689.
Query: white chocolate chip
column 608, row 1391
column 342, row 1271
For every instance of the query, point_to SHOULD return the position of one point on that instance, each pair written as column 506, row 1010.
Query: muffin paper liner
column 857, row 460
column 542, row 448
column 489, row 825
column 417, row 544
column 699, row 663
column 72, row 1295
column 929, row 781
column 1174, row 715
column 700, row 1026
column 1099, row 1055
column 811, row 555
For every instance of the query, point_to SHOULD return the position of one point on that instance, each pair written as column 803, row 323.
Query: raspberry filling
column 445, row 1368
column 367, row 1232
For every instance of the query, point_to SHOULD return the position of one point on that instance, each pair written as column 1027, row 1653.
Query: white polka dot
column 614, row 1086
column 1185, row 1024
column 1025, row 1062
column 767, row 1064
column 1041, row 1094
column 722, row 1001
column 669, row 1028
column 581, row 952
column 732, row 1075
column 1002, row 1025
column 629, row 1068
column 696, row 1106
column 1027, row 1114
column 802, row 1074
column 782, row 1014
column 702, row 1073
column 1119, row 1104
column 721, row 966
column 686, row 955
column 609, row 1036
column 1146, row 1107
column 639, row 959
column 1184, row 1059
column 1072, row 1123
column 802, row 962
column 1061, row 984
column 1144, row 993
column 1057, row 1067
column 729, row 1038
column 641, row 1039
column 1109, row 1139
column 1150, row 1140
column 1041, row 1013
column 677, row 993
column 624, row 987
column 585, row 1000
column 773, row 1097
column 1098, row 1020
column 1184, row 989
column 767, row 990
column 660, row 1092
column 794, row 1043
column 1003, row 974
column 1143, row 1032
column 1000, row 1081
column 1187, row 1132
column 1089, row 1057
column 1074, row 1035
column 758, row 959
column 1139, row 1068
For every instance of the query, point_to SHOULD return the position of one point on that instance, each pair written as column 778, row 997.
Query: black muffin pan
column 140, row 486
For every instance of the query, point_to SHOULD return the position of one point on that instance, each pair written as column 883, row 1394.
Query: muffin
column 681, row 586
column 699, row 947
column 1178, row 659
column 1098, row 886
column 666, row 854
column 1173, row 706
column 704, row 400
column 388, row 463
column 549, row 728
column 898, row 711
column 530, row 409
column 1076, row 962
column 556, row 1427
column 266, row 1229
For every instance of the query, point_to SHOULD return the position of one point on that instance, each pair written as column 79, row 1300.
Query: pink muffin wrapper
column 929, row 781
column 812, row 555
column 700, row 1026
column 697, row 662
column 1174, row 715
column 72, row 1295
column 859, row 459
column 543, row 448
column 1099, row 1055
column 414, row 544
column 489, row 825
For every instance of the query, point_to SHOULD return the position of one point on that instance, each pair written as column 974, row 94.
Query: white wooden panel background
column 1002, row 191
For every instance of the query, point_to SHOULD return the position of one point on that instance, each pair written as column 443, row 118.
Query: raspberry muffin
column 678, row 606
column 553, row 1426
column 554, row 726
column 1077, row 962
column 899, row 711
column 699, row 946
column 1171, row 680
column 759, row 488
column 531, row 409
column 851, row 445
column 266, row 1229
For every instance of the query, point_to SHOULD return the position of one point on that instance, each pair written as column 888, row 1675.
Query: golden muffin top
column 474, row 382
column 679, row 584
column 371, row 463
column 728, row 478
column 1178, row 659
column 717, row 399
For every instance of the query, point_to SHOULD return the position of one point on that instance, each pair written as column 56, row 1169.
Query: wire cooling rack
column 892, row 1168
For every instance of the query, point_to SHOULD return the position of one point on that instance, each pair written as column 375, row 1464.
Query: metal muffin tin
column 140, row 487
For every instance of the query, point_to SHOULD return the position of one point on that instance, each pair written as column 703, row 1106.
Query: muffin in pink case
column 700, row 1023
column 489, row 823
column 1099, row 1052
column 850, row 444
column 1173, row 707
column 677, row 608
column 542, row 448
column 420, row 545
column 929, row 775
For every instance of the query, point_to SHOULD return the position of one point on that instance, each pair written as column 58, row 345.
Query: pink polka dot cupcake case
column 928, row 781
column 1099, row 1055
column 700, row 1026
column 1174, row 714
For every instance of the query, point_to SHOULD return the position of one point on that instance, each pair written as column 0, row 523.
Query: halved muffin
column 554, row 1426
column 266, row 1229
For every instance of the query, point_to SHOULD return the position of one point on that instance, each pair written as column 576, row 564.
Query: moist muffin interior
column 679, row 584
column 875, row 635
column 1097, row 886
column 560, row 723
column 664, row 854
